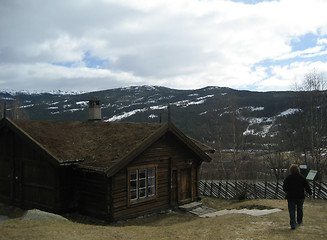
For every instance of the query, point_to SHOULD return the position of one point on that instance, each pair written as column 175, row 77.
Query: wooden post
column 265, row 185
column 221, row 189
column 211, row 186
column 277, row 188
column 178, row 178
column 4, row 110
column 169, row 114
column 204, row 187
column 255, row 190
column 170, row 177
column 192, row 183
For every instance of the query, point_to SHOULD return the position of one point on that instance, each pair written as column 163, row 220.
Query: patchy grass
column 178, row 225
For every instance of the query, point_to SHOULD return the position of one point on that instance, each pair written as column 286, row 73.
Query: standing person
column 294, row 186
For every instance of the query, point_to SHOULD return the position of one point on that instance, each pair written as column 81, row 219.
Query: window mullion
column 142, row 183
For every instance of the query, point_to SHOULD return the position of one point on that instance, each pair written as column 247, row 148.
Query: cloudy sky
column 183, row 44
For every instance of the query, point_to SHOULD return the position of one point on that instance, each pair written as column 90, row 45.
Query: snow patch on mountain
column 266, row 122
column 53, row 103
column 7, row 99
column 208, row 96
column 252, row 109
column 289, row 111
column 153, row 116
column 125, row 115
column 74, row 110
column 39, row 92
column 187, row 102
column 160, row 107
column 27, row 106
column 83, row 103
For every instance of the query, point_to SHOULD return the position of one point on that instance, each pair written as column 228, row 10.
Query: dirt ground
column 179, row 225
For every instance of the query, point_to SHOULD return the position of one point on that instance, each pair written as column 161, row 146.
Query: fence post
column 277, row 188
column 265, row 186
column 204, row 188
column 211, row 186
column 271, row 190
column 220, row 194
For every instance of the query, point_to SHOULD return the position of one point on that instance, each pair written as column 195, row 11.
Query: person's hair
column 294, row 169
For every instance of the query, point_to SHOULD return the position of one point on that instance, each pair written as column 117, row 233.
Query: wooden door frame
column 190, row 184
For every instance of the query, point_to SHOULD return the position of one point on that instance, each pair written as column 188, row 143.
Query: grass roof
column 99, row 144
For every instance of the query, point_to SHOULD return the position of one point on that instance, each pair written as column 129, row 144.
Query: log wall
column 28, row 176
column 168, row 155
column 91, row 193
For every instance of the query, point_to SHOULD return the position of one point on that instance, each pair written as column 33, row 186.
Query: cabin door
column 185, row 186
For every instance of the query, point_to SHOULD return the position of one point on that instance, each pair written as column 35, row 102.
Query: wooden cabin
column 104, row 169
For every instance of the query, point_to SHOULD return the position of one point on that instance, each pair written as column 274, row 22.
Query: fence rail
column 253, row 190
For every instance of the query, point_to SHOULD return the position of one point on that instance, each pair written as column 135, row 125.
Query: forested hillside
column 221, row 117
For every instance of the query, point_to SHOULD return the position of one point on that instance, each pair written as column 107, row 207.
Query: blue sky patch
column 64, row 64
column 88, row 61
column 304, row 42
column 94, row 62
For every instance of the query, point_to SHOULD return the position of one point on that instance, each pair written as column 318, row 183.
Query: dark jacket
column 294, row 186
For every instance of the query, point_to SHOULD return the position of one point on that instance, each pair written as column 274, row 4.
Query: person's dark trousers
column 295, row 205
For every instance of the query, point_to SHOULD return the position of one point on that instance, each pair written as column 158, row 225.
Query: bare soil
column 178, row 225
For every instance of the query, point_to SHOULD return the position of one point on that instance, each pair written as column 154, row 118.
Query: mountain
column 213, row 115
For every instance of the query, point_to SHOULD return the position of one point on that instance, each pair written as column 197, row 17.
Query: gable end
column 168, row 127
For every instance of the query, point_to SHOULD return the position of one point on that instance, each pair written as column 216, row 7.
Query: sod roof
column 98, row 144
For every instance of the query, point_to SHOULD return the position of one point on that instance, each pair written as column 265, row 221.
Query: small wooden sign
column 312, row 174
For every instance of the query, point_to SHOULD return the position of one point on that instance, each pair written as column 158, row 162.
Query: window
column 142, row 183
column 133, row 185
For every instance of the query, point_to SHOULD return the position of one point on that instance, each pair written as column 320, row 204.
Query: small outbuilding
column 111, row 170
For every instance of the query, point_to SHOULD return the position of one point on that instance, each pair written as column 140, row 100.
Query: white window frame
column 142, row 183
column 135, row 172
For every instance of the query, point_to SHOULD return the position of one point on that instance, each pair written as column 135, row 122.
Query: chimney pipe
column 94, row 110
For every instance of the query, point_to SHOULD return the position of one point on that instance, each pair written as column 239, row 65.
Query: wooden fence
column 253, row 190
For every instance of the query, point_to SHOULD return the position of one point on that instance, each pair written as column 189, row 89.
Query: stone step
column 190, row 206
column 203, row 211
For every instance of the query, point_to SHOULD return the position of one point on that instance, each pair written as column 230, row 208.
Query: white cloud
column 288, row 76
column 47, row 76
column 309, row 52
column 322, row 41
column 175, row 43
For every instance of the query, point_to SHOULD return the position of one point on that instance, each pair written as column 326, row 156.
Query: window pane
column 142, row 173
column 151, row 172
column 151, row 181
column 142, row 183
column 133, row 185
column 151, row 191
column 134, row 194
column 133, row 174
column 142, row 192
